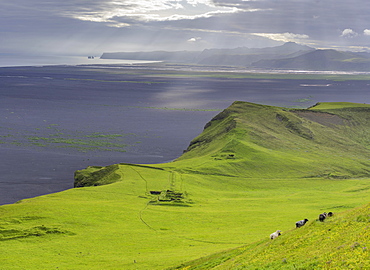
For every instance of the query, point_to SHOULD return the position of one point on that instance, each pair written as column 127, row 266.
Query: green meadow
column 340, row 242
column 253, row 170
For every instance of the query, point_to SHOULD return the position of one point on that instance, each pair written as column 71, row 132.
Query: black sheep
column 322, row 216
column 300, row 223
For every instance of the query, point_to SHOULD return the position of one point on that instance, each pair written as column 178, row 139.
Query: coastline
column 55, row 60
column 63, row 110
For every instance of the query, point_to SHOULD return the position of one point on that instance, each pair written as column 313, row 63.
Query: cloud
column 121, row 13
column 193, row 39
column 349, row 33
column 111, row 11
column 168, row 24
column 284, row 37
column 197, row 2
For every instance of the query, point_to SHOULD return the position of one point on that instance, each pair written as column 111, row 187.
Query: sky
column 91, row 27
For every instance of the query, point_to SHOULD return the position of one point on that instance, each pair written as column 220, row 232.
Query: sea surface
column 56, row 119
column 9, row 60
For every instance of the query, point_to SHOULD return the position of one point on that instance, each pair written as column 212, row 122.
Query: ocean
column 9, row 60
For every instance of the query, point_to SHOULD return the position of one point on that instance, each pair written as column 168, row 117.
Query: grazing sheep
column 330, row 214
column 275, row 234
column 322, row 216
column 300, row 223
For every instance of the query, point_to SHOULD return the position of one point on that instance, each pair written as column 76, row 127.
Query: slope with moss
column 340, row 242
column 263, row 140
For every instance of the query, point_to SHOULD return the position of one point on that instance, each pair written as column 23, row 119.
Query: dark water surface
column 58, row 119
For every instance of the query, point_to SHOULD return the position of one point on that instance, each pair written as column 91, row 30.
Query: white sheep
column 275, row 234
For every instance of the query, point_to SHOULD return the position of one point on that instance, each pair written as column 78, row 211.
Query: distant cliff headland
column 287, row 56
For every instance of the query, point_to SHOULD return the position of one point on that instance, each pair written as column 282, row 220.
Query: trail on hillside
column 175, row 180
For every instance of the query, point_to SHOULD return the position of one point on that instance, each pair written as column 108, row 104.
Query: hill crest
column 261, row 139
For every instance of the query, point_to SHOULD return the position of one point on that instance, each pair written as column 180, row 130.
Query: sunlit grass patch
column 337, row 105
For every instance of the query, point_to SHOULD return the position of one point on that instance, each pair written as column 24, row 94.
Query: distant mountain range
column 287, row 56
column 321, row 60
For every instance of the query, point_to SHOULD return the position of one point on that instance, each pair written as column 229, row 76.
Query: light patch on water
column 180, row 98
column 315, row 85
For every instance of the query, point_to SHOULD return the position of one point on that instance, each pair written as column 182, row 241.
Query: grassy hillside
column 254, row 140
column 253, row 170
column 340, row 242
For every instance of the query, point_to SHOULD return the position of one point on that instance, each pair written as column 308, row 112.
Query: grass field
column 255, row 169
column 340, row 242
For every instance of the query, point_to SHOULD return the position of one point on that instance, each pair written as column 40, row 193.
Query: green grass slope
column 340, row 242
column 253, row 170
column 254, row 140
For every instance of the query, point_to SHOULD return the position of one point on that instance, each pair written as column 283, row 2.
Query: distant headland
column 289, row 56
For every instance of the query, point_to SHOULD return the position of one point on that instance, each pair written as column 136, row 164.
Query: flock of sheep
column 302, row 222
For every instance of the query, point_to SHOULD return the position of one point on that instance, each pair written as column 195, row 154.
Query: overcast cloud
column 97, row 26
